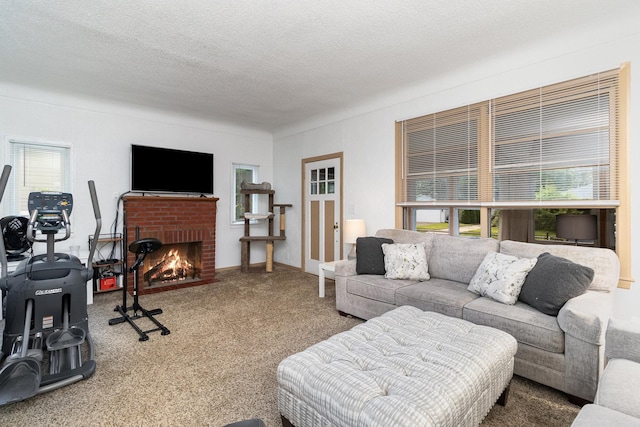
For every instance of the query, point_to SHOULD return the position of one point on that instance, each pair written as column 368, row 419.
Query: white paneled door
column 322, row 212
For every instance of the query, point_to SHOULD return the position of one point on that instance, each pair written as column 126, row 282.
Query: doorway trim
column 303, row 223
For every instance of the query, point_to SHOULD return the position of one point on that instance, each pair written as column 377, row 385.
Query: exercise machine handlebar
column 94, row 242
column 6, row 171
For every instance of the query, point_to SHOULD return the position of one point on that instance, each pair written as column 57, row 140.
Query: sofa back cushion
column 407, row 236
column 458, row 258
column 604, row 262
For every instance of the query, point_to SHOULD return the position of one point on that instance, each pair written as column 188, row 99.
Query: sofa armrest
column 346, row 268
column 623, row 340
column 586, row 317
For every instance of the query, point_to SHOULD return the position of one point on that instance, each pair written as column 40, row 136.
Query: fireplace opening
column 172, row 263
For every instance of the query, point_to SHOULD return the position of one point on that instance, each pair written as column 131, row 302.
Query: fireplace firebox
column 173, row 263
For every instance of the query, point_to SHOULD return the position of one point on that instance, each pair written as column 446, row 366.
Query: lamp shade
column 354, row 228
column 577, row 227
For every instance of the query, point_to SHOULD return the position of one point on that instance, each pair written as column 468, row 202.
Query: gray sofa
column 617, row 401
column 565, row 352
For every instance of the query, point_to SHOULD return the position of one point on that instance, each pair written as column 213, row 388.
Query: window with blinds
column 36, row 167
column 552, row 146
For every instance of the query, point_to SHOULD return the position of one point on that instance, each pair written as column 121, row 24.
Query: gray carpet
column 218, row 364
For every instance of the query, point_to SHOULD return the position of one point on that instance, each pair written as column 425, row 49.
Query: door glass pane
column 331, row 173
column 323, row 189
column 331, row 187
column 314, row 175
column 314, row 188
column 323, row 173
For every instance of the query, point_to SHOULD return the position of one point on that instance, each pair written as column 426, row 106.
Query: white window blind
column 557, row 143
column 36, row 167
column 441, row 156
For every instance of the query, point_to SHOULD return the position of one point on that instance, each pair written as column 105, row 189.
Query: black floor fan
column 140, row 247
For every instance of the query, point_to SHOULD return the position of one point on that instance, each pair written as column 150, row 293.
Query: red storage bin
column 107, row 283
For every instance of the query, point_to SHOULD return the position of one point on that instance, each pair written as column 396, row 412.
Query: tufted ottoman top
column 405, row 368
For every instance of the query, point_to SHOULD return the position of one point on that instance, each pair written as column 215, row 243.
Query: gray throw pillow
column 554, row 281
column 369, row 255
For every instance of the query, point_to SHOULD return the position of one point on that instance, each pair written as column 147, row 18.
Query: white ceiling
column 265, row 64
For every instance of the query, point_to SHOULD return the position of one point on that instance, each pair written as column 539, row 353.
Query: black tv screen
column 166, row 170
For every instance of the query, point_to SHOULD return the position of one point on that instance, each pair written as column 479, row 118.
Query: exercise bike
column 46, row 342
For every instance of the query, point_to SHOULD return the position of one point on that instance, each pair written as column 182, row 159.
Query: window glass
column 432, row 220
column 468, row 222
column 249, row 174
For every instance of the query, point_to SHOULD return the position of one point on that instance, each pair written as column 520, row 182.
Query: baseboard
column 259, row 266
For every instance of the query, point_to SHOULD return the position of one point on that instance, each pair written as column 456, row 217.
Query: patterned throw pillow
column 405, row 261
column 500, row 277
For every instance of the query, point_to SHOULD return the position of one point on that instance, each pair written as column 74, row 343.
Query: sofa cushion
column 598, row 416
column 376, row 287
column 500, row 277
column 369, row 255
column 524, row 323
column 405, row 261
column 439, row 295
column 554, row 281
column 456, row 258
column 618, row 387
column 605, row 262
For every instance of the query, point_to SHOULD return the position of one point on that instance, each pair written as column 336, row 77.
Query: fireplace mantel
column 172, row 219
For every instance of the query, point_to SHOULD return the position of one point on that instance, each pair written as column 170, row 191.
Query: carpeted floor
column 218, row 364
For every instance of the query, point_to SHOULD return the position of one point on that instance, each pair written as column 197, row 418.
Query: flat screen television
column 166, row 170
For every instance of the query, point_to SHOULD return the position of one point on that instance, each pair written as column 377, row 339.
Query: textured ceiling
column 265, row 64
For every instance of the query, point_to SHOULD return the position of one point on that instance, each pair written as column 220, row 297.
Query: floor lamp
column 577, row 227
column 353, row 228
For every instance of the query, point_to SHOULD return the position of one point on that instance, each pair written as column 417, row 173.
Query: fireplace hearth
column 186, row 226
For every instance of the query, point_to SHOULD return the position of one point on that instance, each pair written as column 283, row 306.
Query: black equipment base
column 143, row 313
column 141, row 247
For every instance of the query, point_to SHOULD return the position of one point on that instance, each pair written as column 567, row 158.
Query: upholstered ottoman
column 404, row 368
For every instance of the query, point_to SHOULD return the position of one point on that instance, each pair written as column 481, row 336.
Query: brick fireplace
column 174, row 221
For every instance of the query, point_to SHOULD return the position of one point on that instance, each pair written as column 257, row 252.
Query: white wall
column 101, row 135
column 366, row 133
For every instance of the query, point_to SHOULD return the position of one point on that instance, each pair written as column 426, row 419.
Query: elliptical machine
column 46, row 337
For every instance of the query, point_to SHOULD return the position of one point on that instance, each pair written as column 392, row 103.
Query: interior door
column 322, row 212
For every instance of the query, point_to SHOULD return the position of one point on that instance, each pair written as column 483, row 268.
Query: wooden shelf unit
column 268, row 239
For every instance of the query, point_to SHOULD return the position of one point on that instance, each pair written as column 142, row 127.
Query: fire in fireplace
column 177, row 262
